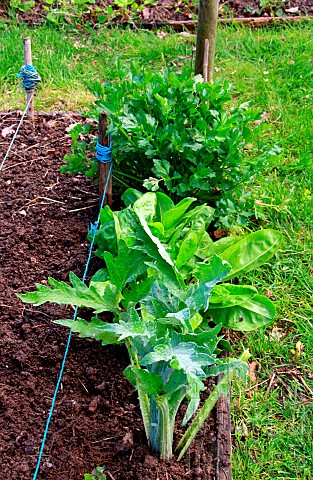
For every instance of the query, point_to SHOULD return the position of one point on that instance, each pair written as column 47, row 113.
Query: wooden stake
column 206, row 60
column 207, row 23
column 28, row 61
column 104, row 168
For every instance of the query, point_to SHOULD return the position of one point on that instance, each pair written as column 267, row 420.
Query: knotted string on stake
column 103, row 153
column 93, row 232
column 30, row 78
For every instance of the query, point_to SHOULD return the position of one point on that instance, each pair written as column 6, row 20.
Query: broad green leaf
column 208, row 276
column 188, row 357
column 145, row 206
column 200, row 215
column 212, row 273
column 105, row 238
column 164, row 203
column 151, row 383
column 255, row 313
column 100, row 276
column 252, row 251
column 126, row 226
column 130, row 196
column 187, row 249
column 138, row 291
column 208, row 248
column 90, row 329
column 126, row 266
column 162, row 252
column 228, row 365
column 176, row 381
column 171, row 217
column 228, row 295
column 64, row 294
column 157, row 229
column 195, row 321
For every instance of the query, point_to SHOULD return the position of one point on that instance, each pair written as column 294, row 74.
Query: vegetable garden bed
column 97, row 421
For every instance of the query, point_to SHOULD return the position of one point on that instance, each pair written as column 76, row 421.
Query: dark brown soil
column 159, row 11
column 44, row 217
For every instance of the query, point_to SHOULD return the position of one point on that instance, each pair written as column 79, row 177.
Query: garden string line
column 30, row 80
column 106, row 157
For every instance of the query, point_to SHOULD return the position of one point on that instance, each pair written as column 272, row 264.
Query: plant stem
column 142, row 396
column 221, row 389
column 162, row 427
column 167, row 431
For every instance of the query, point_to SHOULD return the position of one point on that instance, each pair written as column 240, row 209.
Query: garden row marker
column 92, row 232
column 28, row 61
column 104, row 157
column 30, row 79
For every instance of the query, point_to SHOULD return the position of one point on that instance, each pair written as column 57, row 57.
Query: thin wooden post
column 104, row 168
column 206, row 60
column 28, row 61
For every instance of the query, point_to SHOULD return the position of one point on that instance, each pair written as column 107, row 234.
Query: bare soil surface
column 44, row 218
column 157, row 11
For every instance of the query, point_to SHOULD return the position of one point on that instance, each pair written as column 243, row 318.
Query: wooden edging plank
column 251, row 22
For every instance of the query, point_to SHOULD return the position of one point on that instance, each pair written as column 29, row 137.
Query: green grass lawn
column 273, row 416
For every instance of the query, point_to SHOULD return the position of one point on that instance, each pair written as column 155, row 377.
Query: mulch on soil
column 44, row 218
column 161, row 11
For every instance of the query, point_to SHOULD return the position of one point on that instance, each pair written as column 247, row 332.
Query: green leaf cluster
column 174, row 133
column 166, row 284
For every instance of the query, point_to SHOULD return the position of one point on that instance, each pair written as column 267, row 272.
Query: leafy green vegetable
column 177, row 134
column 162, row 293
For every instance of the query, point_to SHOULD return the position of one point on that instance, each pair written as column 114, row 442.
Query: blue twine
column 95, row 227
column 30, row 77
column 15, row 134
column 103, row 154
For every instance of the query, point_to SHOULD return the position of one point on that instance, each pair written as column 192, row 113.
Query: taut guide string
column 30, row 80
column 107, row 153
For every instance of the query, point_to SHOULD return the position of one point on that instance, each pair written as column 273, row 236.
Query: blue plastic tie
column 103, row 154
column 94, row 231
column 30, row 77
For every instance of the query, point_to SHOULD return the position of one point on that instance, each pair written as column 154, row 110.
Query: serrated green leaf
column 228, row 365
column 63, row 294
column 126, row 266
column 90, row 330
column 183, row 316
column 133, row 327
column 212, row 273
column 138, row 291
